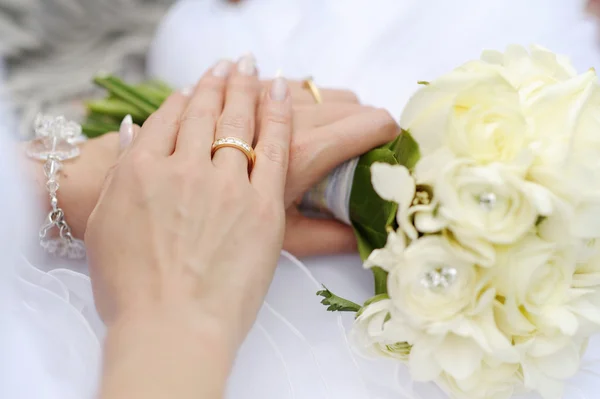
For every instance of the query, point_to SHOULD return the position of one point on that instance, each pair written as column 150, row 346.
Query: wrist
column 166, row 352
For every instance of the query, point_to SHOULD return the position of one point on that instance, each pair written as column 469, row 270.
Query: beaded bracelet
column 56, row 141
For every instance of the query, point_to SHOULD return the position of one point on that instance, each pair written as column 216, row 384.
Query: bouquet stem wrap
column 332, row 194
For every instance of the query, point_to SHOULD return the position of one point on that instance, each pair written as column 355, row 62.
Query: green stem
column 127, row 93
column 116, row 108
column 380, row 277
column 92, row 130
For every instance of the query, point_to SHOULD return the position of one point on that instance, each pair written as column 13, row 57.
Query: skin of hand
column 182, row 247
column 593, row 7
column 325, row 135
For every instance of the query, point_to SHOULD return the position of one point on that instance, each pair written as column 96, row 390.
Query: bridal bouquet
column 493, row 251
column 480, row 222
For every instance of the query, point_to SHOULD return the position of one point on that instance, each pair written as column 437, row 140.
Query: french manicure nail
column 126, row 132
column 279, row 89
column 247, row 65
column 222, row 69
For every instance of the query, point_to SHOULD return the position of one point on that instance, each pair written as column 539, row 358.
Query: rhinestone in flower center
column 487, row 200
column 439, row 278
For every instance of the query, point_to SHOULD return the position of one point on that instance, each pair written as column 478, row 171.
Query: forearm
column 165, row 356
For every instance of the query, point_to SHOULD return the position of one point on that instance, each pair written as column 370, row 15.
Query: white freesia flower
column 395, row 183
column 489, row 203
column 389, row 257
column 493, row 380
column 455, row 356
column 547, row 362
column 376, row 332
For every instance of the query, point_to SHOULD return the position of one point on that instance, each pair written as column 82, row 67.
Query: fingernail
column 279, row 89
column 126, row 132
column 222, row 68
column 247, row 65
column 187, row 91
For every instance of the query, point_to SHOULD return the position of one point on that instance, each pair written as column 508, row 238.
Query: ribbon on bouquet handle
column 332, row 195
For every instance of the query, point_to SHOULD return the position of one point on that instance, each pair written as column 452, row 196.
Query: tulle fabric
column 50, row 334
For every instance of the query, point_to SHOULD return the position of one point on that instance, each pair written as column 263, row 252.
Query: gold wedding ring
column 310, row 85
column 238, row 144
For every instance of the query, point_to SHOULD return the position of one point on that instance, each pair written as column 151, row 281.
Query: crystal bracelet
column 56, row 141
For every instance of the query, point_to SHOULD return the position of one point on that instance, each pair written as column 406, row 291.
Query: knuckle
column 349, row 95
column 236, row 122
column 275, row 152
column 386, row 122
column 212, row 84
column 277, row 116
column 138, row 161
column 194, row 114
column 158, row 120
column 243, row 85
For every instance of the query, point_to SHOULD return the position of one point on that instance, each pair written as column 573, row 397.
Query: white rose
column 476, row 113
column 432, row 284
column 567, row 150
column 493, row 380
column 440, row 293
column 535, row 280
column 376, row 332
column 587, row 272
column 488, row 204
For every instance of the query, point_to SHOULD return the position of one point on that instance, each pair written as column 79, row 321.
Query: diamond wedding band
column 239, row 144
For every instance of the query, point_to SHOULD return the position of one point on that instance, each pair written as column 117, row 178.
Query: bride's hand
column 171, row 224
column 182, row 245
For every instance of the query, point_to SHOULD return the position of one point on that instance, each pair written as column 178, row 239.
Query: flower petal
column 393, row 183
column 421, row 363
column 459, row 357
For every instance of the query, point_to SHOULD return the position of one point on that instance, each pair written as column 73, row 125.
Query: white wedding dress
column 50, row 336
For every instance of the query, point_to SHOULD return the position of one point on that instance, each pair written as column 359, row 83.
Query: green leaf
column 336, row 304
column 405, row 149
column 371, row 215
column 423, row 82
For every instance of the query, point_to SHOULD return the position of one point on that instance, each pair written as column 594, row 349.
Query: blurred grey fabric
column 52, row 48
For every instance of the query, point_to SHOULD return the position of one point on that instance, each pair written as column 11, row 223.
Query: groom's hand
column 326, row 136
